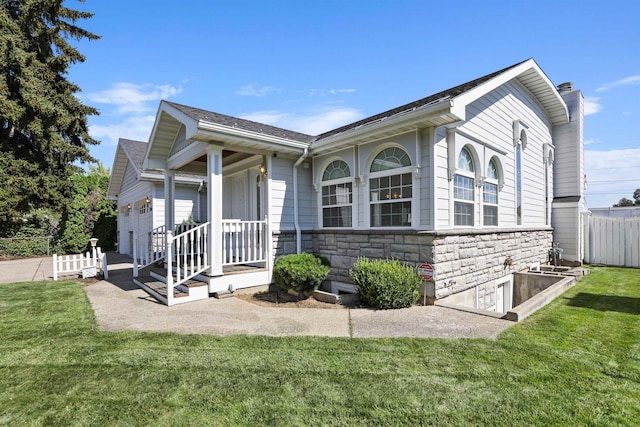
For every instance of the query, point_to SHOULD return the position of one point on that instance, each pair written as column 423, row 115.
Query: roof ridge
column 420, row 103
column 246, row 124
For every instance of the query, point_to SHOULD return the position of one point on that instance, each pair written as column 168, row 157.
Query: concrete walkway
column 120, row 305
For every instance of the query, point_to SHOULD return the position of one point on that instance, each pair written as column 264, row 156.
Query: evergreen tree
column 90, row 214
column 43, row 125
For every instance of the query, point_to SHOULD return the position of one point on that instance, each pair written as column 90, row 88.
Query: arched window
column 490, row 195
column 463, row 190
column 337, row 195
column 390, row 189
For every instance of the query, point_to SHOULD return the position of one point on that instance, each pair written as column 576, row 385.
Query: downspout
column 295, row 200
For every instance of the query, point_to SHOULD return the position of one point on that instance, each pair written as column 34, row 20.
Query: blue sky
column 311, row 66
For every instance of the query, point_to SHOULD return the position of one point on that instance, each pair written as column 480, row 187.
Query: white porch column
column 169, row 199
column 214, row 208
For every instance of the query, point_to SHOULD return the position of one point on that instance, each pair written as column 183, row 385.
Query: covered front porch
column 232, row 249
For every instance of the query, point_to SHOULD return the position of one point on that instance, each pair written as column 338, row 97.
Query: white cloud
column 591, row 105
column 250, row 90
column 631, row 80
column 313, row 123
column 323, row 92
column 137, row 128
column 133, row 98
column 334, row 91
column 266, row 117
column 611, row 175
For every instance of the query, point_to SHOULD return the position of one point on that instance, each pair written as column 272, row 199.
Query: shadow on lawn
column 606, row 303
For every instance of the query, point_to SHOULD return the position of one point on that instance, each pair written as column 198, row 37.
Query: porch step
column 157, row 288
column 153, row 280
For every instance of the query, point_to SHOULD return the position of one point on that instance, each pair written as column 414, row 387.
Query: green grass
column 575, row 362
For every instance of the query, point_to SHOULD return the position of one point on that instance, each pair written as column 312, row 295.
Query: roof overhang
column 118, row 170
column 531, row 76
column 169, row 120
column 439, row 113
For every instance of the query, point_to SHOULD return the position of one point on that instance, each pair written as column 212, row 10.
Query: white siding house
column 140, row 195
column 470, row 180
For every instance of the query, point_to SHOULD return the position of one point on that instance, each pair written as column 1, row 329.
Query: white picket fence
column 613, row 241
column 87, row 265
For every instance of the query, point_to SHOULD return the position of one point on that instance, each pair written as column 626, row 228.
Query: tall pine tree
column 43, row 125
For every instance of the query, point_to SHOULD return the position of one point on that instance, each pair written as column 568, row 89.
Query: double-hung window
column 490, row 195
column 337, row 195
column 390, row 189
column 463, row 190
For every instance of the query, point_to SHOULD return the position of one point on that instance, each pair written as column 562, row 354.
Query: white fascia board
column 187, row 155
column 154, row 164
column 269, row 141
column 189, row 123
column 461, row 101
column 117, row 175
column 154, row 177
column 417, row 116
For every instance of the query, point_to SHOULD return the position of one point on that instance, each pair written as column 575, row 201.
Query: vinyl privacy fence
column 613, row 241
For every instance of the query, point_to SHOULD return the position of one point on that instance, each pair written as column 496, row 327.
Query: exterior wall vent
column 565, row 87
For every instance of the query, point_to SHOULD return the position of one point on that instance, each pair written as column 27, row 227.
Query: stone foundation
column 462, row 259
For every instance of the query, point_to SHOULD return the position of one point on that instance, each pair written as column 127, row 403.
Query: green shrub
column 301, row 272
column 386, row 284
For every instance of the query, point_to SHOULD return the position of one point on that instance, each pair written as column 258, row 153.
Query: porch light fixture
column 129, row 206
column 147, row 200
column 263, row 170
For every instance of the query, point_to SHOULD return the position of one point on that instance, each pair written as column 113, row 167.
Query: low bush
column 386, row 284
column 301, row 272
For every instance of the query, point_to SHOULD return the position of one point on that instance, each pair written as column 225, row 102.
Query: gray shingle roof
column 412, row 106
column 236, row 122
column 135, row 150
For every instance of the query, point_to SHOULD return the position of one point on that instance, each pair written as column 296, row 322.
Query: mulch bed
column 283, row 299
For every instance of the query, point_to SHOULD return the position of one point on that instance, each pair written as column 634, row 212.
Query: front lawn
column 575, row 362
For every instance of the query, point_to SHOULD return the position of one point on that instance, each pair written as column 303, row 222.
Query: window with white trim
column 390, row 189
column 337, row 195
column 490, row 195
column 463, row 190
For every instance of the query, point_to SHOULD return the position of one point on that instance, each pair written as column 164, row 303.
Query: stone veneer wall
column 462, row 259
column 284, row 243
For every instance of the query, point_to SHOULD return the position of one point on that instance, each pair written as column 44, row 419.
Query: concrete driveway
column 26, row 270
column 120, row 305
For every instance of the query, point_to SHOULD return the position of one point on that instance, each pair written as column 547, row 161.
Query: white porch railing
column 243, row 242
column 186, row 254
column 150, row 247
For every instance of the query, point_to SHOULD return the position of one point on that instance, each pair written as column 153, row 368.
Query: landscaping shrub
column 301, row 272
column 386, row 284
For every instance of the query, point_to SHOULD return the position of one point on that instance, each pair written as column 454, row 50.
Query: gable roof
column 133, row 152
column 128, row 152
column 415, row 105
column 447, row 107
column 440, row 109
column 236, row 122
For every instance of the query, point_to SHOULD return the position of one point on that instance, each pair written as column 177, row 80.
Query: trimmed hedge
column 301, row 272
column 386, row 284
